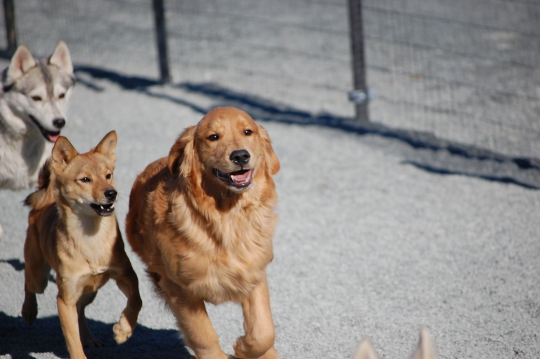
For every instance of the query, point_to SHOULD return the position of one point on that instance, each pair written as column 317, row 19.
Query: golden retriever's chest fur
column 219, row 256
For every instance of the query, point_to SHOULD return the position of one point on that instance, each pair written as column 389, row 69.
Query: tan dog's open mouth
column 103, row 209
column 237, row 179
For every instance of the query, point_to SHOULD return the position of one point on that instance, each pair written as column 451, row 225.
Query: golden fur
column 205, row 230
column 81, row 243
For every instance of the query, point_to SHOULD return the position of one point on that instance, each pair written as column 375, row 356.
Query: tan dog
column 202, row 220
column 424, row 349
column 73, row 229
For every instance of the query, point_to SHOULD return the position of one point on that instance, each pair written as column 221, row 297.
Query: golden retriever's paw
column 91, row 341
column 122, row 330
column 29, row 310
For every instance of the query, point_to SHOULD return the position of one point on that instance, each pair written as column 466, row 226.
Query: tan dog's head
column 85, row 181
column 226, row 147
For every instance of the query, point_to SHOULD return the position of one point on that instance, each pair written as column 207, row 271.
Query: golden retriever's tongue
column 241, row 178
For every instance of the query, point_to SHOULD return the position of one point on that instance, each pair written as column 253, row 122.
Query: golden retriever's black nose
column 240, row 157
column 111, row 194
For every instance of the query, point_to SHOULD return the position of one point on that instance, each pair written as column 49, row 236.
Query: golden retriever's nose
column 240, row 157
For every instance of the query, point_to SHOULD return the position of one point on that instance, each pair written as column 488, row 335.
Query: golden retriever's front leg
column 67, row 311
column 193, row 321
column 129, row 285
column 258, row 325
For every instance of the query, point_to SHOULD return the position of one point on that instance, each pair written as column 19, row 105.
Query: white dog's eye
column 62, row 95
column 213, row 137
column 36, row 98
column 248, row 132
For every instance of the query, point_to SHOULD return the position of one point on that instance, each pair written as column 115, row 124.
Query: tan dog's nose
column 111, row 194
column 240, row 157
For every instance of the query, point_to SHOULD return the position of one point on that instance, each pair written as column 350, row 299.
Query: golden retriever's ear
column 272, row 161
column 181, row 153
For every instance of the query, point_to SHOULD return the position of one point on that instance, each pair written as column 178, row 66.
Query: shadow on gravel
column 432, row 152
column 20, row 340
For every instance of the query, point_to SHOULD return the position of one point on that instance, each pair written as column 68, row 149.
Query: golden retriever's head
column 227, row 147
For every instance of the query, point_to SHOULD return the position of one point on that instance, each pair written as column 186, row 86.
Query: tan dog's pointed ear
column 61, row 57
column 365, row 351
column 62, row 153
column 107, row 146
column 181, row 154
column 272, row 161
column 425, row 348
column 21, row 62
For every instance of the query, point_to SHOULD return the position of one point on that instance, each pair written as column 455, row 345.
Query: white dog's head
column 38, row 91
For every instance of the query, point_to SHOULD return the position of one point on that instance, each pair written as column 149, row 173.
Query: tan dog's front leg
column 258, row 325
column 129, row 285
column 67, row 311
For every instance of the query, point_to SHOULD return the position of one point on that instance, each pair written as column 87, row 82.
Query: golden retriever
column 202, row 221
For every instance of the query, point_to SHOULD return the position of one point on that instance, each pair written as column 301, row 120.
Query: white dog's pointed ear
column 365, row 351
column 107, row 146
column 425, row 348
column 61, row 58
column 62, row 153
column 21, row 62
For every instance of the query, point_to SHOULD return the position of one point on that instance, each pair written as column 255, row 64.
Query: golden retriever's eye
column 36, row 98
column 248, row 132
column 213, row 137
column 109, row 176
column 85, row 180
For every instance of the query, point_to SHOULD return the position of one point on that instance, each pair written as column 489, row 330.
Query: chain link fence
column 466, row 71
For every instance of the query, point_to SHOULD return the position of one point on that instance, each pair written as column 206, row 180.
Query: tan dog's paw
column 29, row 310
column 122, row 330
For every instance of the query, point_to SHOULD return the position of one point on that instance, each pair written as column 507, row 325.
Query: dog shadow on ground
column 422, row 150
column 45, row 336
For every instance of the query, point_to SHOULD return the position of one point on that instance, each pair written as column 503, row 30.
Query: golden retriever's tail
column 45, row 194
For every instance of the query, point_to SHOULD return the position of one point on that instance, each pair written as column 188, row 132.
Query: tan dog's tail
column 45, row 194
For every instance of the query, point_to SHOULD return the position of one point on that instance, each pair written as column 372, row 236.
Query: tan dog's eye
column 109, row 176
column 213, row 137
column 248, row 132
column 85, row 179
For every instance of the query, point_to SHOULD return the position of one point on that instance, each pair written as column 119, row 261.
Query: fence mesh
column 467, row 71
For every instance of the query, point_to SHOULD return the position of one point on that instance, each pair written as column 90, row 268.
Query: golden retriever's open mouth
column 103, row 209
column 237, row 179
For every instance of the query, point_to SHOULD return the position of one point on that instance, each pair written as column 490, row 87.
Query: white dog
column 33, row 101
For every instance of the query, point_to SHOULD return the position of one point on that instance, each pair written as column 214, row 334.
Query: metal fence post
column 360, row 95
column 161, row 39
column 11, row 32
